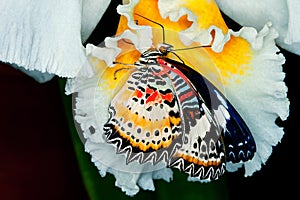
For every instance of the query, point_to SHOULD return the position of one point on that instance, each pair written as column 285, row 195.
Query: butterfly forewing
column 202, row 153
column 238, row 140
column 145, row 119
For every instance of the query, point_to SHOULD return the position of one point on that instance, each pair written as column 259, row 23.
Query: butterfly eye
column 163, row 50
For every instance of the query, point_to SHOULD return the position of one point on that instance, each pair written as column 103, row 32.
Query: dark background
column 37, row 159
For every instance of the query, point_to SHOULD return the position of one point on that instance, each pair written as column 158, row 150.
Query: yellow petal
column 235, row 55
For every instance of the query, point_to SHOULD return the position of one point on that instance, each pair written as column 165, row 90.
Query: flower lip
column 238, row 65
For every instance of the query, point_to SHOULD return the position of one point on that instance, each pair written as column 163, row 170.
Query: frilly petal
column 35, row 74
column 202, row 26
column 261, row 96
column 44, row 35
column 129, row 182
column 144, row 36
column 283, row 14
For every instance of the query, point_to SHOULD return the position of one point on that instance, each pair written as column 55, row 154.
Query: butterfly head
column 150, row 56
column 165, row 48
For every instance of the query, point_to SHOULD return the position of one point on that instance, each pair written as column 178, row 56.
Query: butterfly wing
column 238, row 140
column 145, row 121
column 202, row 154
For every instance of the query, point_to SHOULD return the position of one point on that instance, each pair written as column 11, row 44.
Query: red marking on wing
column 167, row 65
column 153, row 97
column 192, row 115
column 149, row 90
column 161, row 62
column 168, row 97
column 185, row 96
column 138, row 93
column 156, row 96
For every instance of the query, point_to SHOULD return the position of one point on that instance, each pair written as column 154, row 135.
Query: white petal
column 283, row 14
column 146, row 179
column 146, row 182
column 143, row 33
column 193, row 33
column 42, row 35
column 35, row 74
column 174, row 11
column 111, row 51
column 128, row 177
column 261, row 96
column 92, row 11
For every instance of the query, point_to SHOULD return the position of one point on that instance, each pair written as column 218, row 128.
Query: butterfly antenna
column 196, row 47
column 118, row 70
column 177, row 56
column 163, row 29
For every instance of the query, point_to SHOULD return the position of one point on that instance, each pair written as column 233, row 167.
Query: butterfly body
column 168, row 112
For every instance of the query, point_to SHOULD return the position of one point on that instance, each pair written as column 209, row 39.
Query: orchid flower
column 245, row 65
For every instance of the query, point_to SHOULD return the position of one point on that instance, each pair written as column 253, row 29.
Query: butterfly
column 167, row 111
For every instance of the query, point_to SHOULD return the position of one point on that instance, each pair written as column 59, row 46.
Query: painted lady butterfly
column 166, row 111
